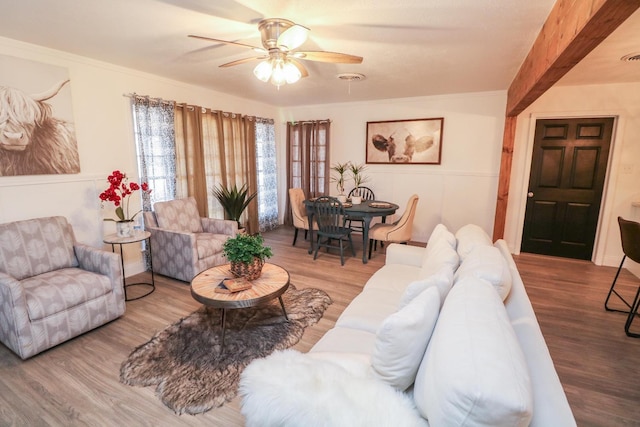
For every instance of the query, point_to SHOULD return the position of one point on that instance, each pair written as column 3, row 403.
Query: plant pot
column 342, row 198
column 124, row 228
column 248, row 271
column 356, row 200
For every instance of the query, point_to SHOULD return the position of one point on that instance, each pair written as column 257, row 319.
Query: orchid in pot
column 119, row 192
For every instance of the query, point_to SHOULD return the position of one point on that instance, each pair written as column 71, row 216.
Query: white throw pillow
column 441, row 232
column 402, row 340
column 441, row 279
column 438, row 254
column 474, row 372
column 470, row 236
column 487, row 263
column 291, row 389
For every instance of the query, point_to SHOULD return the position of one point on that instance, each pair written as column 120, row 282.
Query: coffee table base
column 223, row 320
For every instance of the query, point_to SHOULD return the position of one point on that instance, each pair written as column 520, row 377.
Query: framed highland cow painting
column 37, row 133
column 413, row 141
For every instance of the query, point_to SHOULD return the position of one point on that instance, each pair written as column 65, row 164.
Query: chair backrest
column 404, row 226
column 35, row 246
column 328, row 213
column 630, row 236
column 179, row 215
column 298, row 211
column 365, row 192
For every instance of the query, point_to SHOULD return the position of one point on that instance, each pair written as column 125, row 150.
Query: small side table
column 138, row 236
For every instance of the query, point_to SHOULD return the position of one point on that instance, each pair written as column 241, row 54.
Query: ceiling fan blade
column 242, row 61
column 293, row 37
column 323, row 56
column 300, row 67
column 256, row 48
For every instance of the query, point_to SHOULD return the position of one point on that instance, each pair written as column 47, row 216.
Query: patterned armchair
column 51, row 288
column 182, row 243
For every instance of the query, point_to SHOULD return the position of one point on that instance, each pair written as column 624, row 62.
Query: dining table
column 367, row 210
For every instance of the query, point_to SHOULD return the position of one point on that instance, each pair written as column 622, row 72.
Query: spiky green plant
column 233, row 200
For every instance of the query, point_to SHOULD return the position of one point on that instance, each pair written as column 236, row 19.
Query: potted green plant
column 340, row 179
column 246, row 254
column 233, row 200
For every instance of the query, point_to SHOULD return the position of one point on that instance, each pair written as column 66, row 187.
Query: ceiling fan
column 280, row 62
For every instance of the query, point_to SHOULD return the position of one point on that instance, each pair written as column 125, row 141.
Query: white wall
column 460, row 190
column 105, row 141
column 622, row 187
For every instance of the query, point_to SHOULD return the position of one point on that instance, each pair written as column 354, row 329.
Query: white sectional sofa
column 439, row 336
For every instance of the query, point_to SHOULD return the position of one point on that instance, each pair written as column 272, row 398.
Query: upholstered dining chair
column 299, row 213
column 366, row 194
column 630, row 236
column 397, row 232
column 329, row 213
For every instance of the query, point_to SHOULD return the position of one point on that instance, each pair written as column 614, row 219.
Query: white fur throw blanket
column 289, row 388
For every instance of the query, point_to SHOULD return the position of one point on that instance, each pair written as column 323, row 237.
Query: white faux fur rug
column 289, row 388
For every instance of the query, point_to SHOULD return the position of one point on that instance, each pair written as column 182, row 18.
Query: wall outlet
column 626, row 168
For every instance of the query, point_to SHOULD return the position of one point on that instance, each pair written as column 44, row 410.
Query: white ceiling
column 410, row 47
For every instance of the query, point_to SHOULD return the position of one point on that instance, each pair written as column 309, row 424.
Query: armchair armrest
column 14, row 331
column 404, row 254
column 101, row 262
column 219, row 226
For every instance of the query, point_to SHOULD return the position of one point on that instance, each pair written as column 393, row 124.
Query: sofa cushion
column 288, row 388
column 50, row 293
column 346, row 340
column 179, row 215
column 470, row 236
column 369, row 309
column 36, row 246
column 487, row 263
column 474, row 372
column 393, row 277
column 441, row 279
column 402, row 340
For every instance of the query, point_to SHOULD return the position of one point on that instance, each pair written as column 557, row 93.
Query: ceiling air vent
column 351, row 77
column 632, row 57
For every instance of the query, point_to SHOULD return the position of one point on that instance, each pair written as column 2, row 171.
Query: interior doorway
column 568, row 171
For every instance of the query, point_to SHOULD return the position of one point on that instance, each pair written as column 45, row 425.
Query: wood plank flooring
column 76, row 383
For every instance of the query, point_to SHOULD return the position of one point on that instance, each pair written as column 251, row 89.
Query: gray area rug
column 184, row 361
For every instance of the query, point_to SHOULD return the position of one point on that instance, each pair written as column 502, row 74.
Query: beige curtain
column 190, row 164
column 230, row 153
column 307, row 159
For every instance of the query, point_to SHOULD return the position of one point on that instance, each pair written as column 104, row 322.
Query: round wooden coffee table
column 272, row 283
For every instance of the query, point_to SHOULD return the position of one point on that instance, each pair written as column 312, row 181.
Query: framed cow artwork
column 37, row 133
column 413, row 141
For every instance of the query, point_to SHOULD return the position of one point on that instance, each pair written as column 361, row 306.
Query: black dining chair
column 630, row 236
column 329, row 214
column 367, row 194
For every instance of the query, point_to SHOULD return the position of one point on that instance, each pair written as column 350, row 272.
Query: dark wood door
column 568, row 170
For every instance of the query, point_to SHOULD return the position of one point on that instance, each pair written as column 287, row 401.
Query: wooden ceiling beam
column 572, row 30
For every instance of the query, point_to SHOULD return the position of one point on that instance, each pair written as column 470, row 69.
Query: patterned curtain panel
column 307, row 159
column 155, row 139
column 267, row 175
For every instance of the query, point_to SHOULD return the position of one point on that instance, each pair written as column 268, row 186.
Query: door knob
column 530, row 194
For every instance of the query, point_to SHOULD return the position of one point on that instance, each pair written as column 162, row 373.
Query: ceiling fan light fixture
column 263, row 70
column 278, row 76
column 291, row 73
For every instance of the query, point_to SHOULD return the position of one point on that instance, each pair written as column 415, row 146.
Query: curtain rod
column 192, row 107
column 306, row 122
